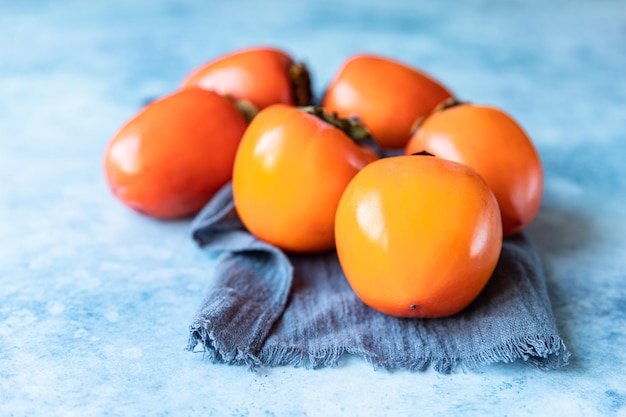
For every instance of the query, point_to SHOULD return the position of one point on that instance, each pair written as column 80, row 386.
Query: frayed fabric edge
column 545, row 353
column 213, row 351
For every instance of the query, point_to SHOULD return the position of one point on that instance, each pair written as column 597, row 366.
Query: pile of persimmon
column 414, row 189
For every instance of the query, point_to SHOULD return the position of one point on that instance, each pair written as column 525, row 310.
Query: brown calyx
column 246, row 108
column 444, row 105
column 422, row 153
column 350, row 126
column 300, row 79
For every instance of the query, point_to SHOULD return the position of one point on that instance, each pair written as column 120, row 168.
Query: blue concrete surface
column 95, row 300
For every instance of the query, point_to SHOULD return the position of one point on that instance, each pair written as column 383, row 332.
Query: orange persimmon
column 386, row 95
column 495, row 145
column 261, row 75
column 418, row 236
column 289, row 173
column 172, row 156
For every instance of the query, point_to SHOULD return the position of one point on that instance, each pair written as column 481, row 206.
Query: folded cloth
column 264, row 307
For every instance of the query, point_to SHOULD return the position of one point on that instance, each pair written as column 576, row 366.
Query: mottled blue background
column 95, row 300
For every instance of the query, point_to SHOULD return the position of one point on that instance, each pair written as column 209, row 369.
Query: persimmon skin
column 495, row 145
column 173, row 155
column 289, row 173
column 386, row 95
column 418, row 236
column 258, row 74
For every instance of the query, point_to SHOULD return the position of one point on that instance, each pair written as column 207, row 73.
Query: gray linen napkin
column 267, row 308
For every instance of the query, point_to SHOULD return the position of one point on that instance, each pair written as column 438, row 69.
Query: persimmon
column 261, row 75
column 290, row 170
column 418, row 236
column 174, row 154
column 490, row 141
column 386, row 95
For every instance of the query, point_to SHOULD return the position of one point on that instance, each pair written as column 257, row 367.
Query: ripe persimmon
column 418, row 236
column 386, row 95
column 261, row 75
column 289, row 173
column 495, row 145
column 173, row 155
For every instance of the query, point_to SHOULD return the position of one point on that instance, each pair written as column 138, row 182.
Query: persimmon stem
column 448, row 103
column 422, row 153
column 247, row 109
column 300, row 84
column 444, row 105
column 350, row 126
